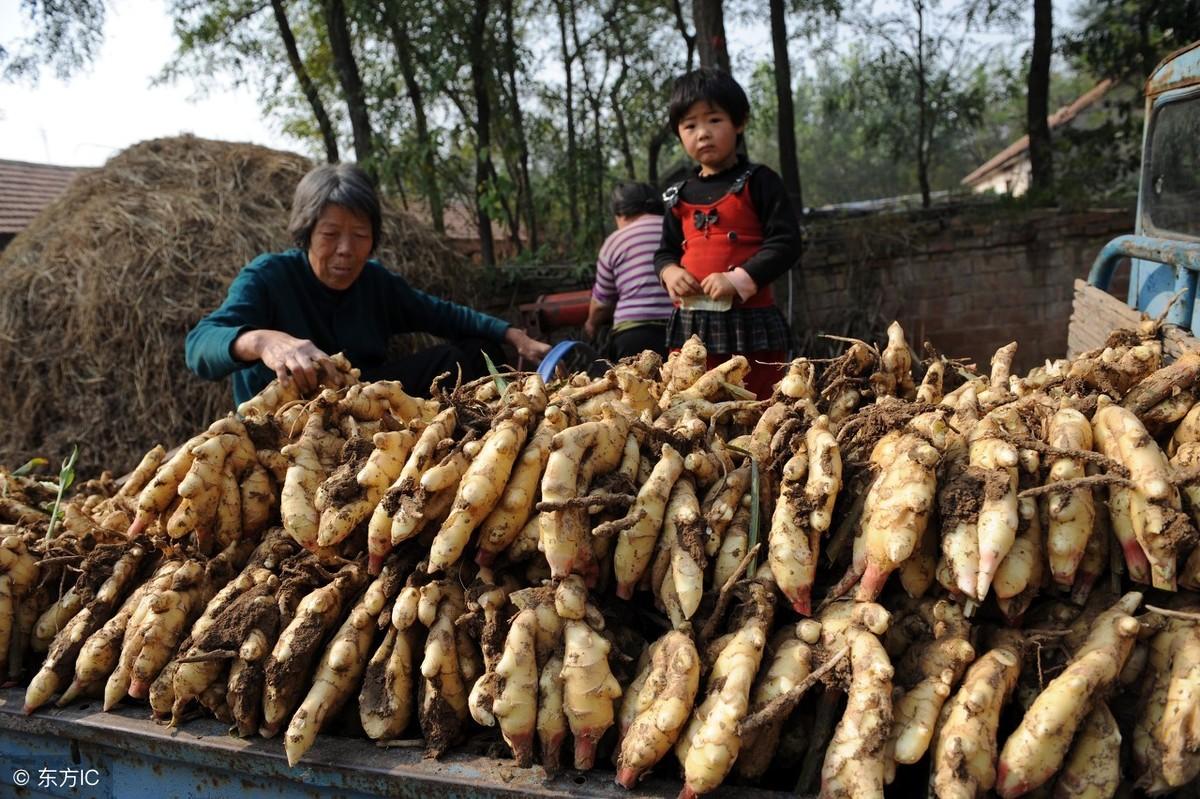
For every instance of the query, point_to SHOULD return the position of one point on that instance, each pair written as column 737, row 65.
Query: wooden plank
column 1096, row 313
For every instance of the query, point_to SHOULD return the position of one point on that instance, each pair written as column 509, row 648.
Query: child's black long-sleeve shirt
column 780, row 249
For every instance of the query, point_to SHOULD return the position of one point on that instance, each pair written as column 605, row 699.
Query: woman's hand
column 718, row 286
column 526, row 346
column 598, row 314
column 679, row 283
column 290, row 358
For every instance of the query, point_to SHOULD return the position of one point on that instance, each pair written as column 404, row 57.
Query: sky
column 111, row 105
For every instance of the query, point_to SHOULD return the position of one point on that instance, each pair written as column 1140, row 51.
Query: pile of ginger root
column 896, row 574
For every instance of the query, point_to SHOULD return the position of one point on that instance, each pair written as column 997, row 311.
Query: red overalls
column 719, row 237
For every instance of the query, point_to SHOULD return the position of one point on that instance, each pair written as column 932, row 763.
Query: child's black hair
column 714, row 86
column 632, row 199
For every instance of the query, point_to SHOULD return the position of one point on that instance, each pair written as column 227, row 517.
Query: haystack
column 97, row 294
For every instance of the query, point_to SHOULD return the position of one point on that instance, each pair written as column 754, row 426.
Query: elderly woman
column 286, row 312
column 627, row 291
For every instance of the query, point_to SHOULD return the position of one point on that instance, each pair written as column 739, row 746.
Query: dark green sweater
column 278, row 291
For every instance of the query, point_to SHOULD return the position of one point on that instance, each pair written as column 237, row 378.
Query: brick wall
column 967, row 281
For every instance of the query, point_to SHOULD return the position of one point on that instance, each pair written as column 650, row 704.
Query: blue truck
column 1164, row 250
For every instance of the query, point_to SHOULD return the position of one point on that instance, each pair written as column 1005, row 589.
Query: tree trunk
column 689, row 39
column 510, row 152
column 709, row 18
column 656, row 144
column 568, row 60
column 398, row 23
column 789, row 168
column 1148, row 57
column 617, row 105
column 512, row 218
column 477, row 52
column 341, row 47
column 398, row 179
column 922, row 118
column 598, row 152
column 623, row 135
column 662, row 134
column 592, row 99
column 306, row 85
column 1041, row 165
column 518, row 118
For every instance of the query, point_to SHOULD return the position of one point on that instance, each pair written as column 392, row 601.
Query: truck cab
column 1164, row 251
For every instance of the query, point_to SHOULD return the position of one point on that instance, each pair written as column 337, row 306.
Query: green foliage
column 66, row 36
column 501, row 383
column 855, row 124
column 1125, row 39
column 864, row 76
column 624, row 54
column 66, row 478
column 854, row 141
column 920, row 80
column 1098, row 162
column 29, row 466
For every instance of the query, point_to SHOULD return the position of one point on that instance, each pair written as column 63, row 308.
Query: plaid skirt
column 727, row 332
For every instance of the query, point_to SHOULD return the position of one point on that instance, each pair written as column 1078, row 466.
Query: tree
column 1122, row 40
column 920, row 61
column 565, row 11
column 477, row 52
column 789, row 167
column 328, row 137
column 662, row 134
column 450, row 100
column 509, row 84
column 1125, row 40
column 709, row 18
column 615, row 97
column 1041, row 151
column 66, row 36
column 344, row 63
column 397, row 23
column 592, row 178
column 283, row 53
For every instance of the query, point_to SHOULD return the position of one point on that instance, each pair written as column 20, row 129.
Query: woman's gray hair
column 333, row 184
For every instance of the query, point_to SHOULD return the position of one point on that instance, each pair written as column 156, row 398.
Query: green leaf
column 66, row 477
column 29, row 466
column 501, row 383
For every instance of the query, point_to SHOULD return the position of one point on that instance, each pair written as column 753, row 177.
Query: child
column 627, row 292
column 729, row 232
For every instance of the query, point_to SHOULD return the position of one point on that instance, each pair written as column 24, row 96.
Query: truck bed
column 130, row 756
column 1095, row 313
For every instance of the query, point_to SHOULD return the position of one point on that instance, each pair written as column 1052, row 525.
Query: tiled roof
column 25, row 189
column 1062, row 116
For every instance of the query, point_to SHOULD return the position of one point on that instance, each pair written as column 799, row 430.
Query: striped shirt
column 625, row 274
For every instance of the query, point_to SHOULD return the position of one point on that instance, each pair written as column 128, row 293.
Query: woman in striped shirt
column 627, row 291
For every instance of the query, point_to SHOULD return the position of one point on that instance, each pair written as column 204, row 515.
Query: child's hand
column 679, row 282
column 717, row 286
